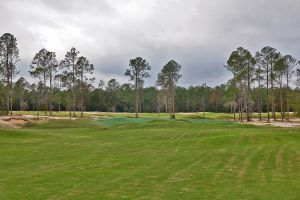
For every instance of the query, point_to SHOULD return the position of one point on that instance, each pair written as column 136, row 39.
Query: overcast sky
column 198, row 34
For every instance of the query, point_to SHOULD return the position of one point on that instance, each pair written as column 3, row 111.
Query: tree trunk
column 259, row 96
column 10, row 85
column 234, row 109
column 248, row 95
column 59, row 94
column 173, row 101
column 38, row 105
column 33, row 102
column 81, row 96
column 50, row 94
column 45, row 94
column 136, row 98
column 70, row 106
column 234, row 99
column 241, row 109
column 203, row 105
column 268, row 101
column 170, row 102
column 59, row 106
column 7, row 85
column 287, row 97
column 73, row 90
column 273, row 95
column 140, row 99
column 258, row 104
column 74, row 101
column 281, row 99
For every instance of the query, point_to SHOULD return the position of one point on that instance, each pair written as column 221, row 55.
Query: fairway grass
column 149, row 159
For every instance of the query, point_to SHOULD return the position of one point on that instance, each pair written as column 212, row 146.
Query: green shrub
column 173, row 116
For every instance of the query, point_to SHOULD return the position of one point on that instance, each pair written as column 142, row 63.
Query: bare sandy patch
column 18, row 121
column 12, row 122
column 287, row 124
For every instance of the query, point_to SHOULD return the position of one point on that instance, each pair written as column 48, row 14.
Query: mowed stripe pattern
column 152, row 160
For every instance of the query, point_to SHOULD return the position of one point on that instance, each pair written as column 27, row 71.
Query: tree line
column 260, row 83
column 267, row 71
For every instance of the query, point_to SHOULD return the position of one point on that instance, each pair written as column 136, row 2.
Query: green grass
column 199, row 115
column 149, row 158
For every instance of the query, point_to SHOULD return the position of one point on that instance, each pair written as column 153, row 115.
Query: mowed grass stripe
column 152, row 160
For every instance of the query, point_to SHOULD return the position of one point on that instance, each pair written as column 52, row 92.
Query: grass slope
column 156, row 159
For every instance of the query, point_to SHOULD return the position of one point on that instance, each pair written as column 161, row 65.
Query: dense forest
column 260, row 83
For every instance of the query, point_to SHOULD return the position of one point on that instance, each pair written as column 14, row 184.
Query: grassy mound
column 194, row 117
column 114, row 121
column 120, row 120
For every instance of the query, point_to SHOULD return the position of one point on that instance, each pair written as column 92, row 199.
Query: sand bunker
column 286, row 124
column 12, row 122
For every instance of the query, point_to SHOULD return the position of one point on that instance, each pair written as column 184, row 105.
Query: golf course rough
column 126, row 158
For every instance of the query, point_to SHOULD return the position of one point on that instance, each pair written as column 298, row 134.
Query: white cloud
column 199, row 34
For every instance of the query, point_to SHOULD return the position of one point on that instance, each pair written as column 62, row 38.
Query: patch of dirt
column 12, row 122
column 286, row 124
column 19, row 121
column 16, row 121
column 41, row 117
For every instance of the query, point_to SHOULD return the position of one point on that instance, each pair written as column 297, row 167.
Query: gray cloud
column 199, row 34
